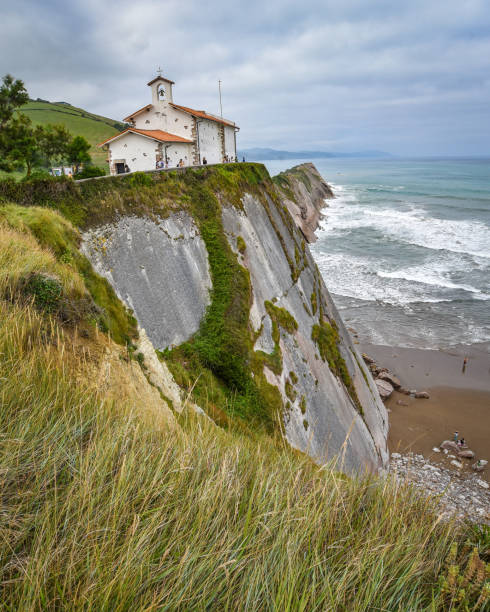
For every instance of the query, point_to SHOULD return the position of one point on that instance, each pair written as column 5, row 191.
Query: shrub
column 90, row 172
column 45, row 290
column 140, row 179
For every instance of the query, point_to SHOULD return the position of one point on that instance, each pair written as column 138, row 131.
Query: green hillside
column 79, row 122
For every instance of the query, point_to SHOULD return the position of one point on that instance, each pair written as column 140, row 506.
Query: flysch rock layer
column 159, row 270
column 333, row 423
column 309, row 198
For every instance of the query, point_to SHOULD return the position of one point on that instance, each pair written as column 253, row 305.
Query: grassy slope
column 78, row 121
column 102, row 511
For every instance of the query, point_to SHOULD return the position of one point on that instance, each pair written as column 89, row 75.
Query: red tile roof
column 203, row 114
column 141, row 110
column 159, row 135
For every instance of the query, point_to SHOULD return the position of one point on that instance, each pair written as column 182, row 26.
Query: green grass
column 105, row 509
column 79, row 122
column 101, row 511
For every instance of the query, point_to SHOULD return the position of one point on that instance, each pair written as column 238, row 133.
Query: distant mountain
column 78, row 121
column 259, row 154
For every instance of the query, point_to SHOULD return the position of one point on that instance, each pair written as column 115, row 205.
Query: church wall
column 210, row 141
column 138, row 152
column 230, row 142
column 165, row 117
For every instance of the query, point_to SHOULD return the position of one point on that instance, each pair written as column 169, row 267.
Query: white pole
column 220, row 105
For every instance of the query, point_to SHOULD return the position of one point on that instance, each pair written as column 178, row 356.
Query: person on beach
column 456, row 434
column 465, row 361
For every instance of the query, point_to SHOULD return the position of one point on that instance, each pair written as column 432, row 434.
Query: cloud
column 407, row 77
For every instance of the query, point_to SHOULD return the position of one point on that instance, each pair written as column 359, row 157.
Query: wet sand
column 458, row 401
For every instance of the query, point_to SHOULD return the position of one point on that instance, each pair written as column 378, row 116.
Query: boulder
column 436, row 450
column 401, row 403
column 456, row 463
column 449, row 445
column 403, row 390
column 482, row 484
column 391, row 378
column 422, row 395
column 479, row 466
column 467, row 454
column 384, row 388
column 367, row 359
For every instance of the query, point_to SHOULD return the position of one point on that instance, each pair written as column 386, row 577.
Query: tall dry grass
column 101, row 512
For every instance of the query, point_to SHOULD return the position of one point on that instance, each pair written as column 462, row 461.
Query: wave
column 355, row 277
column 409, row 223
column 427, row 276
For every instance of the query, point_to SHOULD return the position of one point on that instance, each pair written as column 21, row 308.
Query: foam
column 410, row 224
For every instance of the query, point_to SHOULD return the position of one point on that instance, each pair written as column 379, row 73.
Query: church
column 167, row 135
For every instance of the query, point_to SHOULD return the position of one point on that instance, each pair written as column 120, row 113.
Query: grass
column 103, row 512
column 103, row 509
column 78, row 122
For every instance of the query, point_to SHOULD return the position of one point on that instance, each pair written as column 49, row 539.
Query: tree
column 13, row 95
column 19, row 144
column 77, row 152
column 53, row 142
column 16, row 136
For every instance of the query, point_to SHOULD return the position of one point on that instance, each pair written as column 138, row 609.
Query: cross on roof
column 159, row 71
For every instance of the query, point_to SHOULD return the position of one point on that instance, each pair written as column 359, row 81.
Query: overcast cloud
column 408, row 77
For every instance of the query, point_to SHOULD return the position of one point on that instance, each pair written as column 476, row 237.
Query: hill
column 259, row 154
column 78, row 121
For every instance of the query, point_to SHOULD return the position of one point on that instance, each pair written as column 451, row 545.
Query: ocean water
column 404, row 248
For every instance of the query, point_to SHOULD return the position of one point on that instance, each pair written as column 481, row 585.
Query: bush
column 140, row 179
column 46, row 291
column 38, row 173
column 90, row 172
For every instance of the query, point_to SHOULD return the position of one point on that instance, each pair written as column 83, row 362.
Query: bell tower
column 161, row 89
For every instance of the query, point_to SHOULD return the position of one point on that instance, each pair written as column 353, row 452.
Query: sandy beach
column 459, row 401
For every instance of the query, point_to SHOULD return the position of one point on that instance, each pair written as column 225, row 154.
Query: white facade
column 171, row 133
column 140, row 153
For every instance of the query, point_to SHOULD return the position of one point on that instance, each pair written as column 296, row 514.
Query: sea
column 404, row 248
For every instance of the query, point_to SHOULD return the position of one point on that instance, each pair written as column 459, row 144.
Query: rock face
column 319, row 427
column 159, row 268
column 304, row 192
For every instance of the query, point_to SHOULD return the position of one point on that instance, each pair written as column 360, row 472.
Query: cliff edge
column 215, row 266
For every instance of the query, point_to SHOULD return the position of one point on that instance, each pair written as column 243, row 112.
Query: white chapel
column 165, row 134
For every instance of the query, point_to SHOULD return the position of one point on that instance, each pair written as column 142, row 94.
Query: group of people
column 461, row 442
column 164, row 163
column 160, row 163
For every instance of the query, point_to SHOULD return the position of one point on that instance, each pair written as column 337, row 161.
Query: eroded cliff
column 219, row 275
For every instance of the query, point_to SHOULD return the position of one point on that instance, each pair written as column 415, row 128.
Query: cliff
column 214, row 265
column 304, row 192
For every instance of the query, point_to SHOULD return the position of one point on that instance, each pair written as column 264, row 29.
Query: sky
column 408, row 77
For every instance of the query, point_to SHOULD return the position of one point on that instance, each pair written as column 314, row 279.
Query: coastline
column 459, row 401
